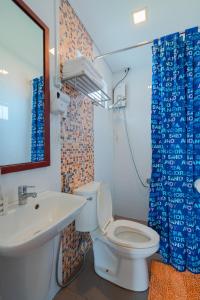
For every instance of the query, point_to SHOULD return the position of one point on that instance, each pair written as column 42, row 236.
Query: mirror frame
column 46, row 162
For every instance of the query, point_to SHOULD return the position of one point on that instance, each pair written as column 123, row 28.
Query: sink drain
column 37, row 206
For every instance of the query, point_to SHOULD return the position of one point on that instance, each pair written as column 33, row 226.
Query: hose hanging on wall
column 127, row 133
column 131, row 150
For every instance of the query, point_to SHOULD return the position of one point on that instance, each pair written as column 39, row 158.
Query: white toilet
column 120, row 247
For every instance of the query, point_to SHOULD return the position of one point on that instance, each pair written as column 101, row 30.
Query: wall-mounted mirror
column 24, row 88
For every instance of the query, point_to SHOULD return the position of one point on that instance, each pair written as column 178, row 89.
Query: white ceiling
column 109, row 22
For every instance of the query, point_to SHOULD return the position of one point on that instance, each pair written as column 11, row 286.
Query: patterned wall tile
column 77, row 135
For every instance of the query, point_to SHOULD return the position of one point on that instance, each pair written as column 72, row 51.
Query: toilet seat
column 131, row 234
column 124, row 233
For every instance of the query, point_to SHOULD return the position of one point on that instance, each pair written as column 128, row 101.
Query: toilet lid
column 104, row 207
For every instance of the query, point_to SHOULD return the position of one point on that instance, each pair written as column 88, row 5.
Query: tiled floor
column 89, row 286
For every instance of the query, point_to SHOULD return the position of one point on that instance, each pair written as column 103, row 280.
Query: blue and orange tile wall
column 77, row 134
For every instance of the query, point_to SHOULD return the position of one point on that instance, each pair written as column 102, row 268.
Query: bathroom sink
column 27, row 227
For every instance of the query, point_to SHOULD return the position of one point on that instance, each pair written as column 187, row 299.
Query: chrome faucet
column 23, row 195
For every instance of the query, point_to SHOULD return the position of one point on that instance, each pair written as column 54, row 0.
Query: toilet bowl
column 120, row 247
column 134, row 236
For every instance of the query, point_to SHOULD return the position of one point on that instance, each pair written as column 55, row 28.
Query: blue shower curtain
column 174, row 203
column 37, row 147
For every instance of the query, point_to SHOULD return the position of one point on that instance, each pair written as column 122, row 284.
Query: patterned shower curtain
column 174, row 203
column 37, row 147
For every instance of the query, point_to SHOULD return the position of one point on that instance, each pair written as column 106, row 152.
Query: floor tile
column 66, row 294
column 89, row 286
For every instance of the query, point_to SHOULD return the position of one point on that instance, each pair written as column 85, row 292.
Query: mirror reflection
column 21, row 87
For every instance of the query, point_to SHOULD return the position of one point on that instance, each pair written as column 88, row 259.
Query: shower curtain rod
column 128, row 48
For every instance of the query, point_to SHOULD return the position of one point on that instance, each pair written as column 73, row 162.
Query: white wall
column 43, row 178
column 131, row 198
column 103, row 131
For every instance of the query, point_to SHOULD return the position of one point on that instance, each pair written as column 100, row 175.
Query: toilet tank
column 87, row 220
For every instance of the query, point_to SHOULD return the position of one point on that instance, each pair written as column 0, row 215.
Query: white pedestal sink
column 28, row 245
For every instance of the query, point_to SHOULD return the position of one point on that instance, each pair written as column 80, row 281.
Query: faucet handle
column 23, row 188
column 29, row 186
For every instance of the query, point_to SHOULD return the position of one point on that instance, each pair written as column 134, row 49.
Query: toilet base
column 137, row 281
column 127, row 272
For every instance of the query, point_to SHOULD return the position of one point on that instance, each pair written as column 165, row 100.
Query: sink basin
column 30, row 248
column 41, row 219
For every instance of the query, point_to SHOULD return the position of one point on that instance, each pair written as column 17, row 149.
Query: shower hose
column 83, row 249
column 131, row 149
column 127, row 70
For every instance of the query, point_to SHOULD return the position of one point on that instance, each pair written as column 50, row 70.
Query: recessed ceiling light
column 139, row 16
column 3, row 71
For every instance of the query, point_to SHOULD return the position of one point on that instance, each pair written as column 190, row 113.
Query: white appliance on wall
column 59, row 102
